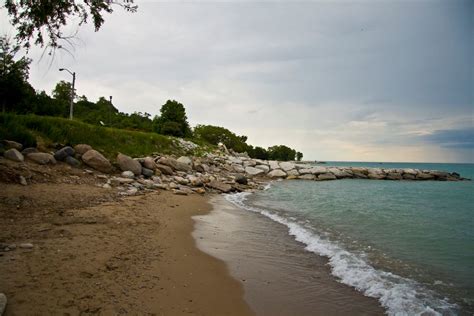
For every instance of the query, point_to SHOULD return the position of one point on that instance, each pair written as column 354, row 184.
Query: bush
column 17, row 132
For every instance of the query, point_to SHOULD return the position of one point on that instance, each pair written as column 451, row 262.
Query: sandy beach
column 94, row 253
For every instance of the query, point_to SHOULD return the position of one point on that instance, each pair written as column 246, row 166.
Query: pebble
column 23, row 180
column 3, row 303
column 26, row 246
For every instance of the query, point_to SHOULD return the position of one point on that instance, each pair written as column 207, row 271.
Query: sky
column 336, row 80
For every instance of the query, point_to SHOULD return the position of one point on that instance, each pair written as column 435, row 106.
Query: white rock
column 277, row 173
column 250, row 163
column 235, row 160
column 327, row 176
column 273, row 165
column 186, row 160
column 253, row 171
column 128, row 174
column 265, row 168
column 307, row 176
column 14, row 155
column 26, row 246
column 314, row 170
column 3, row 303
column 293, row 172
column 238, row 168
column 286, row 165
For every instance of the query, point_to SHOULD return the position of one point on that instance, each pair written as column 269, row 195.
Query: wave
column 398, row 295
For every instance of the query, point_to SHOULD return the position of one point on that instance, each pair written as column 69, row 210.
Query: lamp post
column 71, row 105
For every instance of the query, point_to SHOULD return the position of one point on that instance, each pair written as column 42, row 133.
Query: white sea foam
column 399, row 295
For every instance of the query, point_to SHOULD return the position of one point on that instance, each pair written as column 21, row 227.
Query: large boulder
column 424, row 176
column 238, row 168
column 149, row 163
column 293, row 172
column 307, row 176
column 81, row 149
column 273, row 165
column 63, row 153
column 340, row 174
column 326, row 176
column 250, row 163
column 96, row 160
column 42, row 158
column 168, row 161
column 14, row 154
column 166, row 170
column 181, row 166
column 265, row 168
column 287, row 166
column 253, row 171
column 220, row 186
column 201, row 167
column 314, row 170
column 12, row 144
column 127, row 163
column 73, row 162
column 277, row 173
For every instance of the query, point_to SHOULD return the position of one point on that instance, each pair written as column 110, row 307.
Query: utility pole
column 71, row 104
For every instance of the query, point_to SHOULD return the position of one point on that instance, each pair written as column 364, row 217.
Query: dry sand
column 96, row 254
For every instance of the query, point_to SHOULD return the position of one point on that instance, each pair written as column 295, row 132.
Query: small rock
column 23, row 180
column 81, row 149
column 327, row 176
column 11, row 144
column 164, row 169
column 186, row 160
column 126, row 163
column 73, row 162
column 223, row 187
column 128, row 174
column 14, row 154
column 199, row 190
column 107, row 186
column 149, row 163
column 26, row 246
column 307, row 176
column 29, row 150
column 3, row 303
column 179, row 192
column 42, row 158
column 277, row 173
column 147, row 172
column 240, row 179
column 63, row 153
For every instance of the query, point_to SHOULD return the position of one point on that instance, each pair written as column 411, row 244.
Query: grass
column 26, row 128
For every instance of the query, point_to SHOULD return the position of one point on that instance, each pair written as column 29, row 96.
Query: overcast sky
column 361, row 80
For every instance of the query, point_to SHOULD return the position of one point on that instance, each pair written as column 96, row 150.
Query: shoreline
column 131, row 255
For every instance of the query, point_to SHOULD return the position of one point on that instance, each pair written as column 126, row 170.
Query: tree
column 62, row 95
column 173, row 120
column 299, row 156
column 42, row 22
column 14, row 86
column 217, row 134
column 281, row 153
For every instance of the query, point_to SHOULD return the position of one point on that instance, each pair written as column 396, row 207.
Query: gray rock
column 238, row 168
column 128, row 174
column 181, row 180
column 253, row 171
column 73, row 162
column 167, row 170
column 439, row 174
column 235, row 160
column 107, row 186
column 12, row 144
column 81, row 149
column 96, row 160
column 250, row 163
column 180, row 166
column 265, row 168
column 126, row 163
column 340, row 174
column 220, row 186
column 147, row 172
column 42, row 158
column 394, row 176
column 14, row 154
column 29, row 150
column 23, row 180
column 293, row 173
column 307, row 176
column 201, row 168
column 149, row 163
column 408, row 176
column 26, row 246
column 240, row 179
column 376, row 176
column 410, row 171
column 314, row 170
column 359, row 170
column 359, row 175
column 167, row 161
column 179, row 192
column 63, row 153
column 287, row 166
column 326, row 176
column 194, row 181
column 186, row 160
column 277, row 173
column 3, row 303
column 424, row 176
column 273, row 165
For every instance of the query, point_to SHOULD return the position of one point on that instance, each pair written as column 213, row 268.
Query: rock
column 265, row 168
column 126, row 163
column 96, row 160
column 340, row 174
column 186, row 160
column 23, row 180
column 253, row 171
column 360, row 170
column 149, row 163
column 240, row 179
column 183, row 167
column 199, row 190
column 194, row 181
column 424, row 176
column 14, row 154
column 164, row 169
column 11, row 144
column 26, row 246
column 394, row 176
column 3, row 303
column 439, row 174
column 408, row 176
column 128, row 174
column 277, row 173
column 107, row 186
column 235, row 160
column 179, row 192
column 250, row 163
column 291, row 177
column 359, row 175
column 181, row 180
column 410, row 171
column 81, row 149
column 293, row 173
column 238, row 168
column 63, row 153
column 173, row 185
column 314, row 170
column 287, row 166
column 148, row 173
column 29, row 150
column 131, row 191
column 326, row 176
column 307, row 176
column 376, row 176
column 220, row 186
column 42, row 158
column 273, row 165
column 167, row 161
column 201, row 168
column 73, row 162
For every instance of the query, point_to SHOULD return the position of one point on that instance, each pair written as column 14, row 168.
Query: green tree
column 42, row 22
column 281, row 153
column 260, row 153
column 173, row 120
column 62, row 95
column 14, row 87
column 217, row 134
column 299, row 156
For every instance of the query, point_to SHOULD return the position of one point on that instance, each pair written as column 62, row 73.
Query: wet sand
column 131, row 256
column 279, row 276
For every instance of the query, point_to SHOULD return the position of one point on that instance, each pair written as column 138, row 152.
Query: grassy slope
column 109, row 141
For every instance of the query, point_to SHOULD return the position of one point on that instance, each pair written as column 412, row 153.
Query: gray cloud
column 457, row 138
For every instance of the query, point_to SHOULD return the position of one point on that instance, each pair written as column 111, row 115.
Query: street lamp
column 71, row 105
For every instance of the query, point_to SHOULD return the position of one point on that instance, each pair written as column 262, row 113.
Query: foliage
column 281, row 153
column 110, row 141
column 42, row 22
column 217, row 134
column 14, row 87
column 260, row 153
column 10, row 130
column 173, row 120
column 299, row 156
